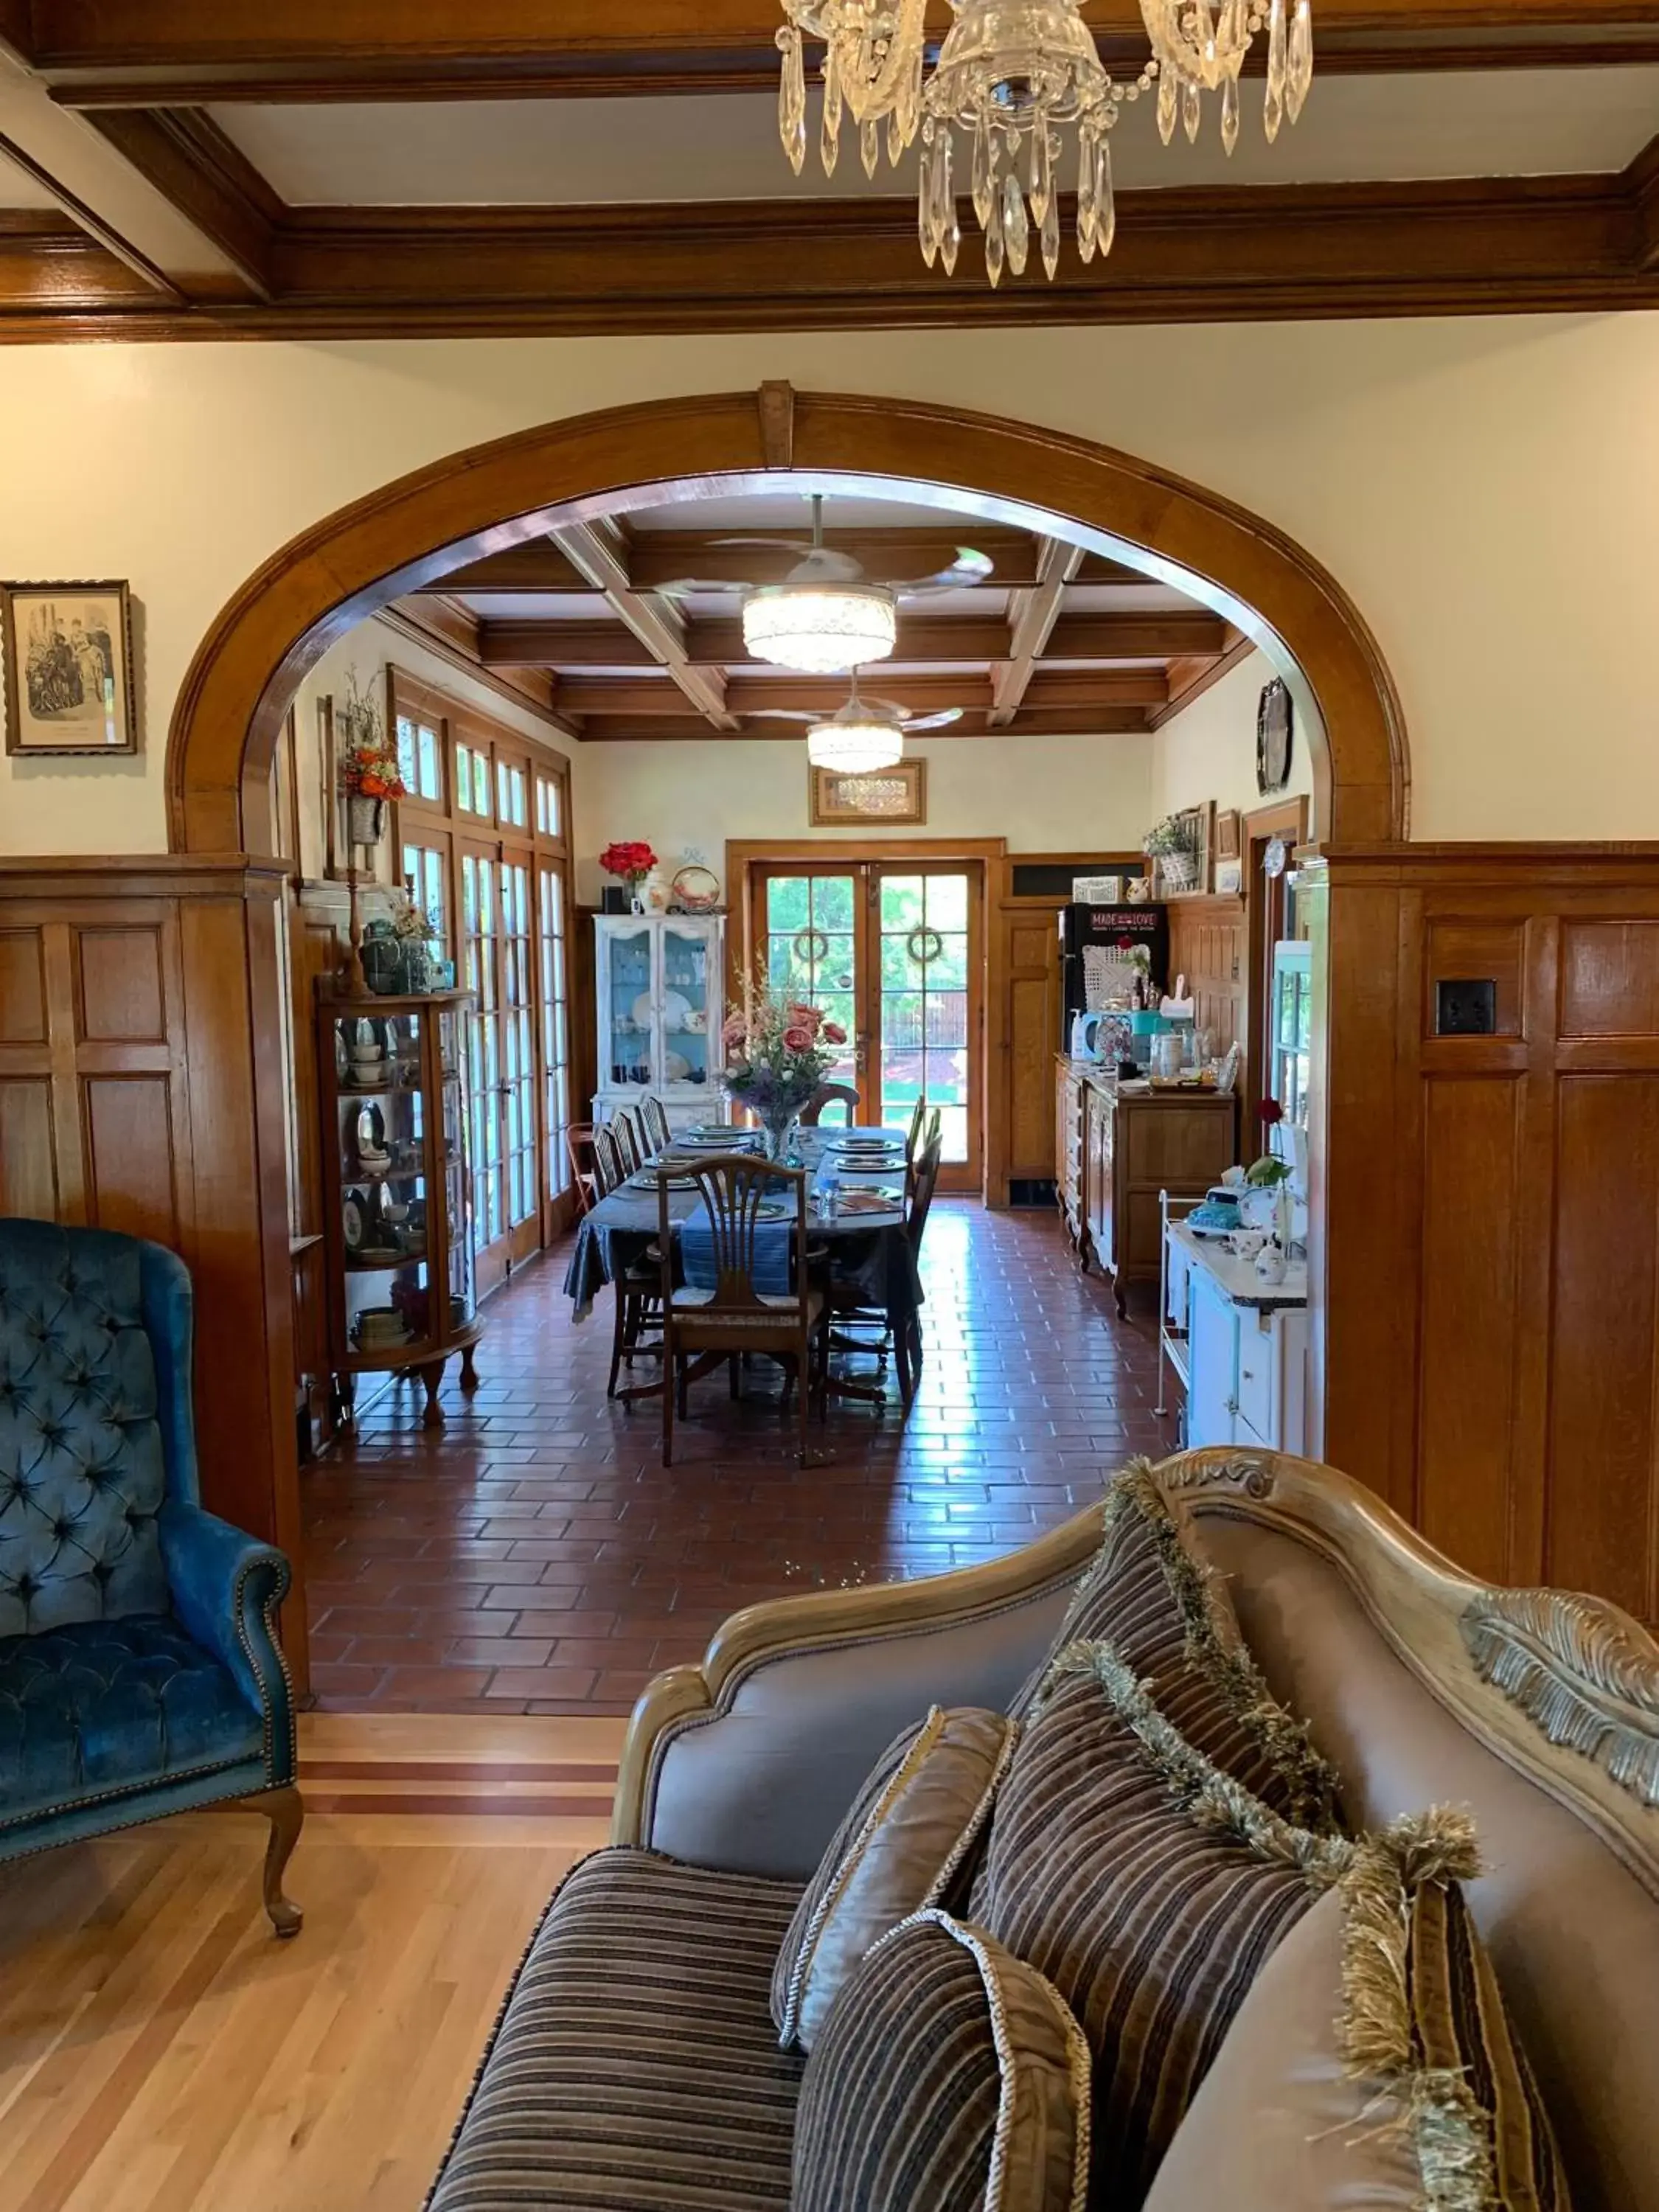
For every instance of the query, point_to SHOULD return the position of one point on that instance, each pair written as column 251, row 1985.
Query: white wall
column 1042, row 794
column 1208, row 750
column 1487, row 489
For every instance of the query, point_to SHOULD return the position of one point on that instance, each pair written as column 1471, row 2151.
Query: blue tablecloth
column 872, row 1253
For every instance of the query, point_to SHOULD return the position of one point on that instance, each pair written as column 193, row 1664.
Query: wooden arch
column 409, row 534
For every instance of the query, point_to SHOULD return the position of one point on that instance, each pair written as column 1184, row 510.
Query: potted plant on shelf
column 632, row 860
column 1172, row 844
column 779, row 1051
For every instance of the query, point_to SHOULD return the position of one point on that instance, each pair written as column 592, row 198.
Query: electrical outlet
column 1466, row 1007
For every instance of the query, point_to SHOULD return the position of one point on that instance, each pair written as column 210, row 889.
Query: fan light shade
column 855, row 748
column 822, row 630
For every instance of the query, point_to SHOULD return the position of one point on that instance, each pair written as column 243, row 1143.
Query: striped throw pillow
column 950, row 2077
column 910, row 1831
column 1152, row 1592
column 1149, row 1886
column 1373, row 2062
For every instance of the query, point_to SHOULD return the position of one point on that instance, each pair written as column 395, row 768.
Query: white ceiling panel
column 560, row 152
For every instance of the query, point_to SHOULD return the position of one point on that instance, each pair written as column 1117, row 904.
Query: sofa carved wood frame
column 1563, row 1688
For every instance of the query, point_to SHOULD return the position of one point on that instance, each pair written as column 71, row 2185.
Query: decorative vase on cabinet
column 397, row 1169
column 660, row 984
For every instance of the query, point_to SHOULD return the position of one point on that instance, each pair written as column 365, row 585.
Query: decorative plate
column 1274, row 728
column 355, row 1226
column 697, row 890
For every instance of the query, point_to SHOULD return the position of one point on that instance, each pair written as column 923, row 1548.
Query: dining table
column 868, row 1251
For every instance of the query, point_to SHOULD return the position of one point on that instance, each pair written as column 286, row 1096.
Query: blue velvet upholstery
column 139, row 1669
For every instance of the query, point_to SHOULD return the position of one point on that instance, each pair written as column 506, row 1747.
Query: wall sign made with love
column 896, row 795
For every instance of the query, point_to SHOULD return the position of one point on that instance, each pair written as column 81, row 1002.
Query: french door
column 893, row 950
column 497, row 951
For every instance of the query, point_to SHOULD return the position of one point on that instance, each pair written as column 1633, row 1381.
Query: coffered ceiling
column 184, row 168
column 634, row 631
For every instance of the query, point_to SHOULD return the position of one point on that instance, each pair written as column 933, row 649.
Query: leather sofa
column 140, row 1673
column 638, row 2043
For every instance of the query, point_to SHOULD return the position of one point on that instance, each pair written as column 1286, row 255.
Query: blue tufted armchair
column 139, row 1669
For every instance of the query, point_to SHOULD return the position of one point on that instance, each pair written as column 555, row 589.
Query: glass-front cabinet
column 660, row 982
column 399, row 1167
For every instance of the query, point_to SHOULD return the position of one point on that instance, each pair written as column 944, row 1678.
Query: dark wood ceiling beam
column 971, row 641
column 122, row 52
column 603, row 554
column 630, row 698
column 686, row 729
column 198, row 170
column 1484, row 245
column 50, row 266
column 658, row 558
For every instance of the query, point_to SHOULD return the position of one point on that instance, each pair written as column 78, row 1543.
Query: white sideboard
column 1238, row 1345
column 659, row 987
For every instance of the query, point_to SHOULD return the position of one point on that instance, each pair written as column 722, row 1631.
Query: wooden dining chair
column 734, row 1315
column 654, row 1121
column 626, row 1131
column 830, row 1094
column 579, row 1150
column 638, row 1288
column 850, row 1311
column 918, row 1114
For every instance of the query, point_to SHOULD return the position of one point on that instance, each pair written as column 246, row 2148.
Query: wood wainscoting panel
column 122, row 995
column 131, row 1155
column 28, row 1159
column 1603, row 1528
column 1472, row 1159
column 22, row 987
column 1609, row 979
column 1494, row 951
column 1491, row 1296
column 1209, row 944
column 135, row 1096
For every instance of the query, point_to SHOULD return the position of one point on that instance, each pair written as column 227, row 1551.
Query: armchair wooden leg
column 286, row 1812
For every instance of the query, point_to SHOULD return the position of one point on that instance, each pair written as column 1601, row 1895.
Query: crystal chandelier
column 821, row 629
column 1010, row 77
column 1201, row 46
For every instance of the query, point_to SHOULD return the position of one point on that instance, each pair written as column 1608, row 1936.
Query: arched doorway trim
column 411, row 532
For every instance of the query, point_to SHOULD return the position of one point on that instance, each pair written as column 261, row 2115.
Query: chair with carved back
column 140, row 1673
column 830, row 1094
column 918, row 1115
column 626, row 1131
column 748, row 1287
column 654, row 1121
column 609, row 1172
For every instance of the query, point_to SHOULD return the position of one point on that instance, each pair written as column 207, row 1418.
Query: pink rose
column 834, row 1033
column 797, row 1039
column 735, row 1032
column 806, row 1018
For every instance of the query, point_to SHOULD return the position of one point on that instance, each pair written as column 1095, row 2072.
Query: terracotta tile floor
column 535, row 1556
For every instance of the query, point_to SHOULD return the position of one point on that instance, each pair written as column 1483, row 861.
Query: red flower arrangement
column 368, row 766
column 631, row 858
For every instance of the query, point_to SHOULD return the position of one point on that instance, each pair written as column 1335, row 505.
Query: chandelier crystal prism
column 1011, row 77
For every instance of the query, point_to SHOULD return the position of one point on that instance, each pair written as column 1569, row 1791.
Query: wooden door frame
column 1286, row 819
column 986, row 855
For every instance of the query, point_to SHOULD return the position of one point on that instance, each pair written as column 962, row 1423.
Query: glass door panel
column 927, row 1033
column 628, row 985
column 690, row 1005
column 556, row 1025
column 480, row 951
column 809, row 928
column 518, row 1079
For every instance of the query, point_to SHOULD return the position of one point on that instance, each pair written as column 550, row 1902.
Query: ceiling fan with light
column 825, row 616
column 865, row 735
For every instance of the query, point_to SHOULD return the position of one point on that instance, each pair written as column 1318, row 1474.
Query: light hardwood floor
column 161, row 2052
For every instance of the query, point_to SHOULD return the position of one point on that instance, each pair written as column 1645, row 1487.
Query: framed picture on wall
column 897, row 794
column 1229, row 834
column 68, row 652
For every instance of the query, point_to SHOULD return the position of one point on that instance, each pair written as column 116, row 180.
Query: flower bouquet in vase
column 778, row 1052
column 632, row 860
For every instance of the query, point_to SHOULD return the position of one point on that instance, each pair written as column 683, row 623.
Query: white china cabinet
column 660, row 984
